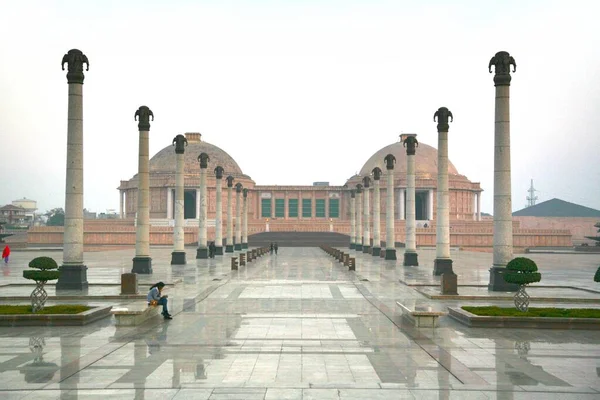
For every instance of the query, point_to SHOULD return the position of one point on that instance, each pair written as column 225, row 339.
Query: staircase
column 299, row 239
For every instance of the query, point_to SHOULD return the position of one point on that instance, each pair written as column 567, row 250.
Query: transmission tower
column 532, row 198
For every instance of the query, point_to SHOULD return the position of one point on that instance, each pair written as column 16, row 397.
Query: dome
column 425, row 161
column 165, row 160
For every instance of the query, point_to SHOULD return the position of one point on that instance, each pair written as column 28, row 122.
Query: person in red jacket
column 6, row 254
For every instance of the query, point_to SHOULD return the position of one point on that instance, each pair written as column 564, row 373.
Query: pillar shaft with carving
column 503, row 234
column 238, row 217
column 390, row 234
column 73, row 273
column 219, row 211
column 411, row 257
column 245, row 219
column 352, row 219
column 202, row 250
column 229, row 245
column 178, row 255
column 359, row 213
column 376, row 212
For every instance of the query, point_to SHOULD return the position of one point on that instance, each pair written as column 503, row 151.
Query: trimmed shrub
column 597, row 276
column 522, row 271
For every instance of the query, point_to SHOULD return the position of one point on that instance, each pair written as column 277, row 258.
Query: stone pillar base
column 202, row 252
column 352, row 246
column 218, row 250
column 358, row 247
column 449, row 283
column 411, row 259
column 497, row 282
column 376, row 251
column 142, row 265
column 244, row 245
column 129, row 284
column 442, row 266
column 237, row 246
column 390, row 254
column 72, row 277
column 178, row 258
column 229, row 248
column 365, row 249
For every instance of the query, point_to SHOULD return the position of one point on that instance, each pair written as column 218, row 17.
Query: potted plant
column 522, row 271
column 45, row 270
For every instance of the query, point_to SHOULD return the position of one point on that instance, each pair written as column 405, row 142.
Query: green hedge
column 43, row 263
column 495, row 311
column 522, row 271
column 41, row 275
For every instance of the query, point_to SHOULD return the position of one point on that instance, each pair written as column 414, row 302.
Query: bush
column 43, row 263
column 41, row 275
column 597, row 276
column 522, row 271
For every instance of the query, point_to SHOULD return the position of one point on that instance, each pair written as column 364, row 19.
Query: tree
column 522, row 271
column 42, row 273
column 56, row 217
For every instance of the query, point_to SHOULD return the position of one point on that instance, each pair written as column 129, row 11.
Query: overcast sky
column 300, row 91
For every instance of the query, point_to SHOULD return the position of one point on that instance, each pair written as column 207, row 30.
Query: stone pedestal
column 497, row 282
column 449, row 283
column 178, row 258
column 202, row 252
column 73, row 272
column 129, row 284
column 411, row 259
column 390, row 254
column 142, row 265
column 442, row 266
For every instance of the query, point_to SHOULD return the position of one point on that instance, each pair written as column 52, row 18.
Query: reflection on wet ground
column 298, row 326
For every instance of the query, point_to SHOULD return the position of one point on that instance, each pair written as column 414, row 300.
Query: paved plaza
column 300, row 326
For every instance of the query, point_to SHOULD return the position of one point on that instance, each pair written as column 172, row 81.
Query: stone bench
column 421, row 315
column 135, row 314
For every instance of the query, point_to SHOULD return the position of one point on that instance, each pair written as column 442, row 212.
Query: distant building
column 560, row 214
column 15, row 215
column 30, row 207
column 320, row 183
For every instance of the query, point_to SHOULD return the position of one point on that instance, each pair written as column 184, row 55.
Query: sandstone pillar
column 390, row 234
column 73, row 273
column 245, row 219
column 359, row 212
column 411, row 258
column 229, row 244
column 219, row 211
column 443, row 262
column 478, row 206
column 169, row 204
column 202, row 250
column 352, row 219
column 121, row 200
column 430, row 205
column 503, row 235
column 238, row 216
column 401, row 203
column 366, row 222
column 178, row 255
column 376, row 213
column 142, row 263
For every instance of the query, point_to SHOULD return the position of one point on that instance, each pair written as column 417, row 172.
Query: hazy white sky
column 300, row 91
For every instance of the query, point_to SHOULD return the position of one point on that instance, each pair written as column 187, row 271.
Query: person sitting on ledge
column 155, row 298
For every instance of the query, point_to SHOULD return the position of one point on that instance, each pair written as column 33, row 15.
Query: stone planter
column 83, row 318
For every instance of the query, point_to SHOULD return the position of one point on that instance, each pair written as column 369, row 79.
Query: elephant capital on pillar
column 442, row 115
column 390, row 160
column 359, row 188
column 180, row 142
column 376, row 173
column 143, row 115
column 219, row 172
column 230, row 180
column 502, row 62
column 353, row 194
column 204, row 159
column 238, row 187
column 245, row 193
column 366, row 182
column 411, row 143
column 75, row 60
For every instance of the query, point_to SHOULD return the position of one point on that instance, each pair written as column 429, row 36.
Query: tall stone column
column 229, row 244
column 219, row 212
column 202, row 250
column 411, row 258
column 73, row 273
column 121, row 199
column 169, row 204
column 366, row 222
column 178, row 255
column 401, row 208
column 142, row 263
column 245, row 219
column 352, row 219
column 503, row 235
column 238, row 216
column 376, row 213
column 478, row 206
column 390, row 234
column 443, row 262
column 359, row 212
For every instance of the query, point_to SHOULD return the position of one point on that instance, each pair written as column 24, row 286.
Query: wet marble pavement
column 297, row 326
